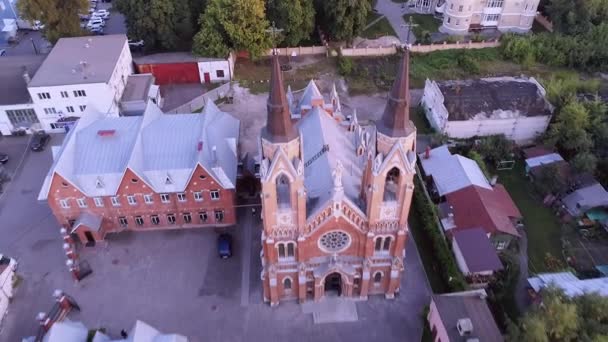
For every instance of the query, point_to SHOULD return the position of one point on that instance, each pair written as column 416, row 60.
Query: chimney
column 26, row 75
column 214, row 154
column 427, row 152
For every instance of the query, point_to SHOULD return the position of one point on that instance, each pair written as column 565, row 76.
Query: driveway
column 174, row 280
column 394, row 13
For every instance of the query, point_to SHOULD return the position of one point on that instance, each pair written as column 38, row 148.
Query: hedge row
column 444, row 260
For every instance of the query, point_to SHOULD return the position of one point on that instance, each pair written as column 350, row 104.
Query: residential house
column 475, row 256
column 17, row 110
column 147, row 172
column 183, row 67
column 463, row 16
column 490, row 209
column 140, row 90
column 513, row 106
column 462, row 316
column 569, row 283
column 8, row 267
column 591, row 201
column 79, row 72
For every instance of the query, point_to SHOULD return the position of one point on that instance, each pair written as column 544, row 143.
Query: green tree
column 343, row 19
column 60, row 17
column 295, row 17
column 162, row 24
column 550, row 180
column 495, row 148
column 584, row 162
column 577, row 16
column 569, row 131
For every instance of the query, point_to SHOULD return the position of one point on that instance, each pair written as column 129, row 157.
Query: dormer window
column 168, row 180
column 98, row 183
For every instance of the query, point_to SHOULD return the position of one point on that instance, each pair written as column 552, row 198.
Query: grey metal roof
column 78, row 60
column 570, row 284
column 543, row 160
column 477, row 251
column 137, row 87
column 173, row 57
column 453, row 307
column 97, row 152
column 586, row 198
column 89, row 220
column 14, row 88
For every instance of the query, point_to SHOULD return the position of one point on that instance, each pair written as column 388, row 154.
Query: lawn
column 379, row 29
column 542, row 226
column 423, row 23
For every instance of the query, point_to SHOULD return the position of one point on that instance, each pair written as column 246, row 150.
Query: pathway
column 373, row 22
column 521, row 293
column 394, row 13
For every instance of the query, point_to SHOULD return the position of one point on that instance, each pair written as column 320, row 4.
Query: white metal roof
column 570, row 284
column 452, row 172
column 67, row 331
column 543, row 160
column 586, row 198
column 98, row 151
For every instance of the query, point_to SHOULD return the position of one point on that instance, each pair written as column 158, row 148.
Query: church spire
column 278, row 125
column 395, row 121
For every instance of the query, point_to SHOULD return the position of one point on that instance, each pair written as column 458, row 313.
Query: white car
column 95, row 22
column 136, row 43
column 37, row 25
column 102, row 13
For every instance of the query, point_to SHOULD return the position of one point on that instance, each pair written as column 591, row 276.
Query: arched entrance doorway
column 333, row 284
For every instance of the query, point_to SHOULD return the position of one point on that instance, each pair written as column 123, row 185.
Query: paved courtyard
column 173, row 279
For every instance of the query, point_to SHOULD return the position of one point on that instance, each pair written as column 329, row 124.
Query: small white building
column 139, row 92
column 7, row 272
column 17, row 111
column 513, row 106
column 78, row 72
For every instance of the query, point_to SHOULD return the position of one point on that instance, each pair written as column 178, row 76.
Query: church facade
column 336, row 195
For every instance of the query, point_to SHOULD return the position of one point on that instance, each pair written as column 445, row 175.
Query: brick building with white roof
column 153, row 171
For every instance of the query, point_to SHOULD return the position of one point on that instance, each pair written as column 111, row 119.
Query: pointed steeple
column 278, row 125
column 395, row 121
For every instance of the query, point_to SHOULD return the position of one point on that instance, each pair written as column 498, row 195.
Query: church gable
column 344, row 210
column 280, row 165
column 397, row 157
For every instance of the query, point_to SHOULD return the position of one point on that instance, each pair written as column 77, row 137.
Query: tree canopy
column 60, row 17
column 295, row 17
column 232, row 25
column 343, row 19
column 162, row 24
column 577, row 16
column 559, row 318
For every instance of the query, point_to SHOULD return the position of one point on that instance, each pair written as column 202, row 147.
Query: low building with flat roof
column 139, row 91
column 513, row 106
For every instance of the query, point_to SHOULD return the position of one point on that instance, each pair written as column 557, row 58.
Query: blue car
column 224, row 246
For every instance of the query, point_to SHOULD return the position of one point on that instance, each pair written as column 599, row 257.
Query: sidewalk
column 394, row 13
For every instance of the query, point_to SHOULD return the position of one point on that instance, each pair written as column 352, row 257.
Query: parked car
column 102, row 13
column 224, row 245
column 37, row 26
column 39, row 140
column 3, row 158
column 97, row 30
column 95, row 22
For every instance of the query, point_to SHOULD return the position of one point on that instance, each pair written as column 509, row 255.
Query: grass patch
column 423, row 23
column 542, row 226
column 256, row 75
column 381, row 28
column 425, row 249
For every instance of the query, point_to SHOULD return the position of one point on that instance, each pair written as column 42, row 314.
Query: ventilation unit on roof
column 464, row 326
column 98, row 183
column 106, row 132
column 168, row 180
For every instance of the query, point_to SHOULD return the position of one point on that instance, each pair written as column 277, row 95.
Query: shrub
column 345, row 66
column 468, row 63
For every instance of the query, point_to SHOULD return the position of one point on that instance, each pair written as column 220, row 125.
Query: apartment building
column 153, row 171
column 81, row 72
column 17, row 110
column 462, row 16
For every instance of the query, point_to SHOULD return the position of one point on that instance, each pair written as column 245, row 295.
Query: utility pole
column 409, row 26
column 274, row 32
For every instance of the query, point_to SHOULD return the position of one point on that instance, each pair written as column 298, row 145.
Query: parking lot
column 173, row 279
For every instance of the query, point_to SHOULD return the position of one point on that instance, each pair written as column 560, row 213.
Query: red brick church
column 335, row 197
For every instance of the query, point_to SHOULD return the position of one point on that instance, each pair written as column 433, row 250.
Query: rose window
column 334, row 241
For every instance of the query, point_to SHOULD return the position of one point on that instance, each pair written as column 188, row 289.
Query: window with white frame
column 79, row 93
column 154, row 219
column 500, row 245
column 203, row 216
column 171, row 218
column 82, row 202
column 382, row 244
column 98, row 201
column 198, row 196
column 70, row 109
column 148, row 199
column 215, row 194
column 187, row 218
column 139, row 220
column 164, row 198
column 123, row 221
column 131, row 199
column 64, row 203
column 219, row 216
column 44, row 96
column 64, row 94
column 460, row 8
column 181, row 197
column 286, row 250
column 115, row 201
column 491, row 17
column 50, row 110
column 495, row 3
column 82, row 108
